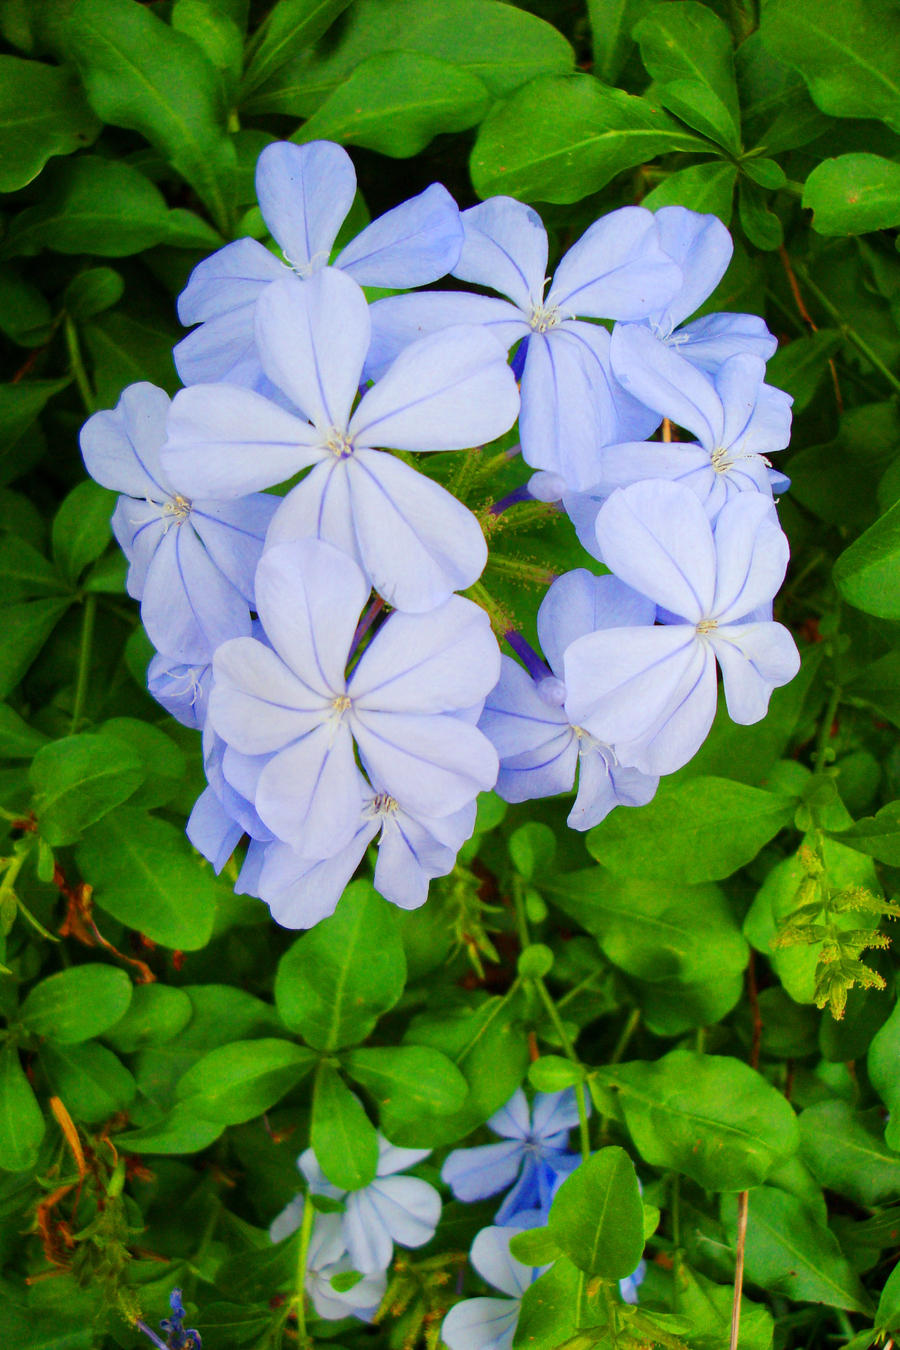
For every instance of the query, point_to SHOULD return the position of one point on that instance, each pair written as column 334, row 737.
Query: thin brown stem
column 743, row 1207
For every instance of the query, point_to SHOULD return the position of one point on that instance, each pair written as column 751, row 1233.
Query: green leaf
column 848, row 54
column 706, row 187
column 552, row 1073
column 289, row 27
column 887, row 1314
column 790, row 1252
column 800, row 366
column 549, row 1312
column 25, row 314
column 687, row 49
column 17, row 739
column 91, row 205
column 761, row 226
column 534, row 1247
column 531, row 848
column 20, row 405
column 335, row 982
column 846, row 1154
column 26, row 628
column 868, row 572
column 854, row 194
column 884, row 1055
column 597, row 1216
column 43, row 112
column 141, row 74
column 26, row 573
column 612, row 23
column 21, row 1122
column 343, row 1138
column 232, row 1324
column 77, row 1004
column 90, row 293
column 125, row 349
column 92, row 1082
column 146, row 875
column 163, row 764
column 708, row 1116
column 776, row 111
column 182, row 1130
column 157, row 1012
column 407, row 1080
column 78, row 780
column 240, row 1081
column 695, row 829
column 396, row 102
column 878, row 835
column 560, row 138
column 500, row 45
column 708, row 1307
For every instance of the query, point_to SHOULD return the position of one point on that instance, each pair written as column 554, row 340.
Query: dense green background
column 174, row 1047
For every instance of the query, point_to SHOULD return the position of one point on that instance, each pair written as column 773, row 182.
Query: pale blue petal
column 505, row 249
column 226, row 442
column 212, row 831
column 400, row 320
column 738, row 383
column 392, row 1158
column 233, row 532
column 582, row 509
column 578, row 603
column 755, row 658
column 312, row 337
column 362, row 1300
column 601, row 782
column 183, row 690
column 481, row 1324
column 300, row 892
column 408, row 858
column 121, row 447
column 138, row 527
column 616, row 270
column 223, row 348
column 236, row 805
column 188, row 607
column 450, row 391
column 248, row 877
column 685, row 723
column 231, row 278
column 320, row 507
column 309, row 597
column 702, row 248
column 709, row 341
column 540, row 771
column 304, row 193
column 751, row 556
column 561, row 419
column 415, row 243
column 490, row 1255
column 553, row 1112
column 655, row 537
column 513, row 1120
column 417, row 543
column 475, row 1173
column 309, row 794
column 257, row 704
column 655, row 374
column 619, row 416
column 396, row 1209
column 435, row 662
column 288, row 1221
column 445, row 761
column 769, row 426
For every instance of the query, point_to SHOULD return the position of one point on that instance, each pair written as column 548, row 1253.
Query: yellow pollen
column 544, row 317
column 385, row 805
column 339, row 443
column 341, row 703
column 720, row 461
column 707, row 625
column 178, row 506
column 579, row 732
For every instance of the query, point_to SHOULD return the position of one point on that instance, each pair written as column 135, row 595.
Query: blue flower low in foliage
column 490, row 1323
column 532, row 1158
column 178, row 1337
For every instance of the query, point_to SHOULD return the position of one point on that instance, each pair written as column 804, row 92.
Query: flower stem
column 77, row 364
column 306, row 1224
column 571, row 1054
column 849, row 333
column 84, row 660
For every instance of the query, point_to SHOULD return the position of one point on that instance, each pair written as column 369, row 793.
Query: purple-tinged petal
column 248, row 877
column 623, row 682
column 183, row 690
column 445, row 761
column 212, row 831
column 629, row 787
column 121, row 447
column 657, row 376
column 505, row 249
column 188, row 607
column 541, row 771
column 709, row 341
column 221, row 349
column 257, row 704
column 449, row 391
column 656, row 538
column 751, row 556
column 233, row 532
column 562, row 417
column 139, row 527
column 755, row 658
column 392, row 1158
column 405, row 1210
column 475, row 1173
column 233, row 278
column 685, row 722
column 516, row 718
column 620, row 416
column 400, row 320
column 236, row 805
column 313, row 337
column 434, row 662
column 319, row 507
column 481, row 1324
column 300, row 892
column 616, row 270
column 416, row 542
column 490, row 1255
column 513, row 1120
column 578, row 603
column 552, row 1112
column 738, row 383
column 226, row 442
column 309, row 597
column 304, row 193
column 769, row 426
column 409, row 857
column 415, row 243
column 702, row 248
column 309, row 794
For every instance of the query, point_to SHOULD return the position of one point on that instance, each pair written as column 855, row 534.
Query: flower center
column 178, row 507
column 706, row 626
column 339, row 443
column 341, row 703
column 544, row 317
column 720, row 461
column 307, row 269
column 383, row 804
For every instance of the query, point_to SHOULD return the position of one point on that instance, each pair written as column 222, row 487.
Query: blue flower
column 534, row 1156
column 526, row 716
column 415, row 542
column 651, row 692
column 305, row 192
column 327, row 1257
column 177, row 1336
column 192, row 556
column 490, row 1323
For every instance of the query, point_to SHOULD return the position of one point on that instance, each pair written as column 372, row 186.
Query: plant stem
column 306, row 1224
column 568, row 1047
column 849, row 333
column 77, row 364
column 84, row 660
column 743, row 1206
column 825, row 728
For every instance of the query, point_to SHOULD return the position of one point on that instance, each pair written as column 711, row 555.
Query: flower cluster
column 361, row 1238
column 311, row 627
